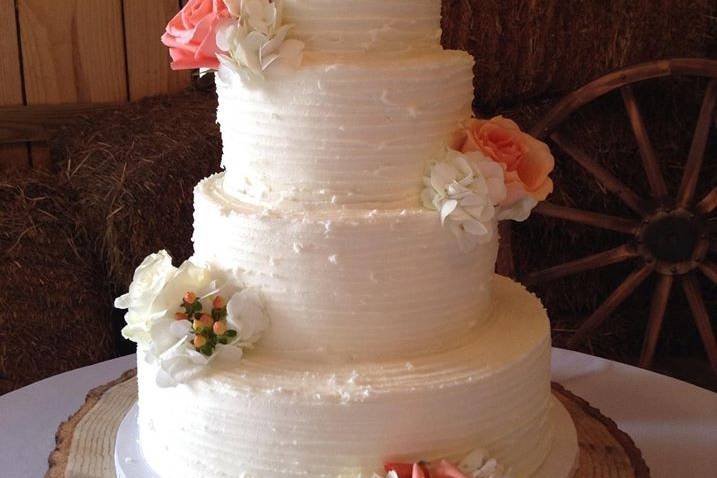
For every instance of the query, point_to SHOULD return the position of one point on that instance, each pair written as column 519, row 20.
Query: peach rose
column 527, row 162
column 191, row 34
column 442, row 469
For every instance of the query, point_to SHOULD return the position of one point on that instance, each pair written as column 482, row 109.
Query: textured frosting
column 365, row 25
column 348, row 284
column 386, row 341
column 343, row 131
column 274, row 417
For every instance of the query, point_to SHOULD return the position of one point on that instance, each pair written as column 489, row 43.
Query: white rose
column 149, row 279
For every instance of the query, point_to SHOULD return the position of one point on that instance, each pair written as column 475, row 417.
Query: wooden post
column 73, row 51
column 11, row 156
column 148, row 69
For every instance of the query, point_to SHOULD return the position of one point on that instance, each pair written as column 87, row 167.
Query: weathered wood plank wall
column 11, row 156
column 147, row 59
column 81, row 51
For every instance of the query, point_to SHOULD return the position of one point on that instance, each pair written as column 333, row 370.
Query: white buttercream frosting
column 348, row 284
column 338, row 131
column 277, row 417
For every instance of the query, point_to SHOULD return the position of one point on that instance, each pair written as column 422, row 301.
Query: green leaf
column 230, row 333
column 223, row 340
column 207, row 349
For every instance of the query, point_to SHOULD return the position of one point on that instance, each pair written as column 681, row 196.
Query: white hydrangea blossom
column 465, row 188
column 254, row 41
column 477, row 464
column 518, row 211
column 153, row 299
column 390, row 474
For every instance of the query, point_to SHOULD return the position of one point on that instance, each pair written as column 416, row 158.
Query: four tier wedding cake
column 340, row 316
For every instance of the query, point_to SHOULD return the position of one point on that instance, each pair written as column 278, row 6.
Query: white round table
column 672, row 422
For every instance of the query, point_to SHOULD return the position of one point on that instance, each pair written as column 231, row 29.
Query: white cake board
column 565, row 452
column 561, row 462
column 129, row 461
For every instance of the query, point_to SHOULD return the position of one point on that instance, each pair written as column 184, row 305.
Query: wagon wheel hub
column 675, row 242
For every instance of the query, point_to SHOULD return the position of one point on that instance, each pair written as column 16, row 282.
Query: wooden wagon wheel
column 671, row 233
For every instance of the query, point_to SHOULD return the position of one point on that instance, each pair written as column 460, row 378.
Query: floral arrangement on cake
column 477, row 464
column 246, row 37
column 183, row 317
column 492, row 172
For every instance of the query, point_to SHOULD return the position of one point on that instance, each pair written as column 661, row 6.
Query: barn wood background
column 80, row 51
column 121, row 185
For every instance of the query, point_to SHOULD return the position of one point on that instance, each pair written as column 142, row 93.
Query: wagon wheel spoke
column 709, row 203
column 595, row 261
column 654, row 324
column 606, row 178
column 647, row 152
column 702, row 319
column 697, row 150
column 710, row 270
column 618, row 296
column 603, row 221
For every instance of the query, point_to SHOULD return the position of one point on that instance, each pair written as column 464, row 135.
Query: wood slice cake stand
column 86, row 441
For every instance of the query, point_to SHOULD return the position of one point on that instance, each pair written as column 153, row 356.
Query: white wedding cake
column 340, row 315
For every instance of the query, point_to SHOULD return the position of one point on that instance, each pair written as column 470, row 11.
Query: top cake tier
column 365, row 25
column 374, row 100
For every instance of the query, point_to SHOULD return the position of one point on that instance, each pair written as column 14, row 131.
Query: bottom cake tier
column 268, row 416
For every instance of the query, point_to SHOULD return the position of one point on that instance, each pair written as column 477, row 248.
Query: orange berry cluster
column 209, row 329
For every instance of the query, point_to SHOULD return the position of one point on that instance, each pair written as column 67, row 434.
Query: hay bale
column 53, row 315
column 530, row 49
column 133, row 171
column 72, row 239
